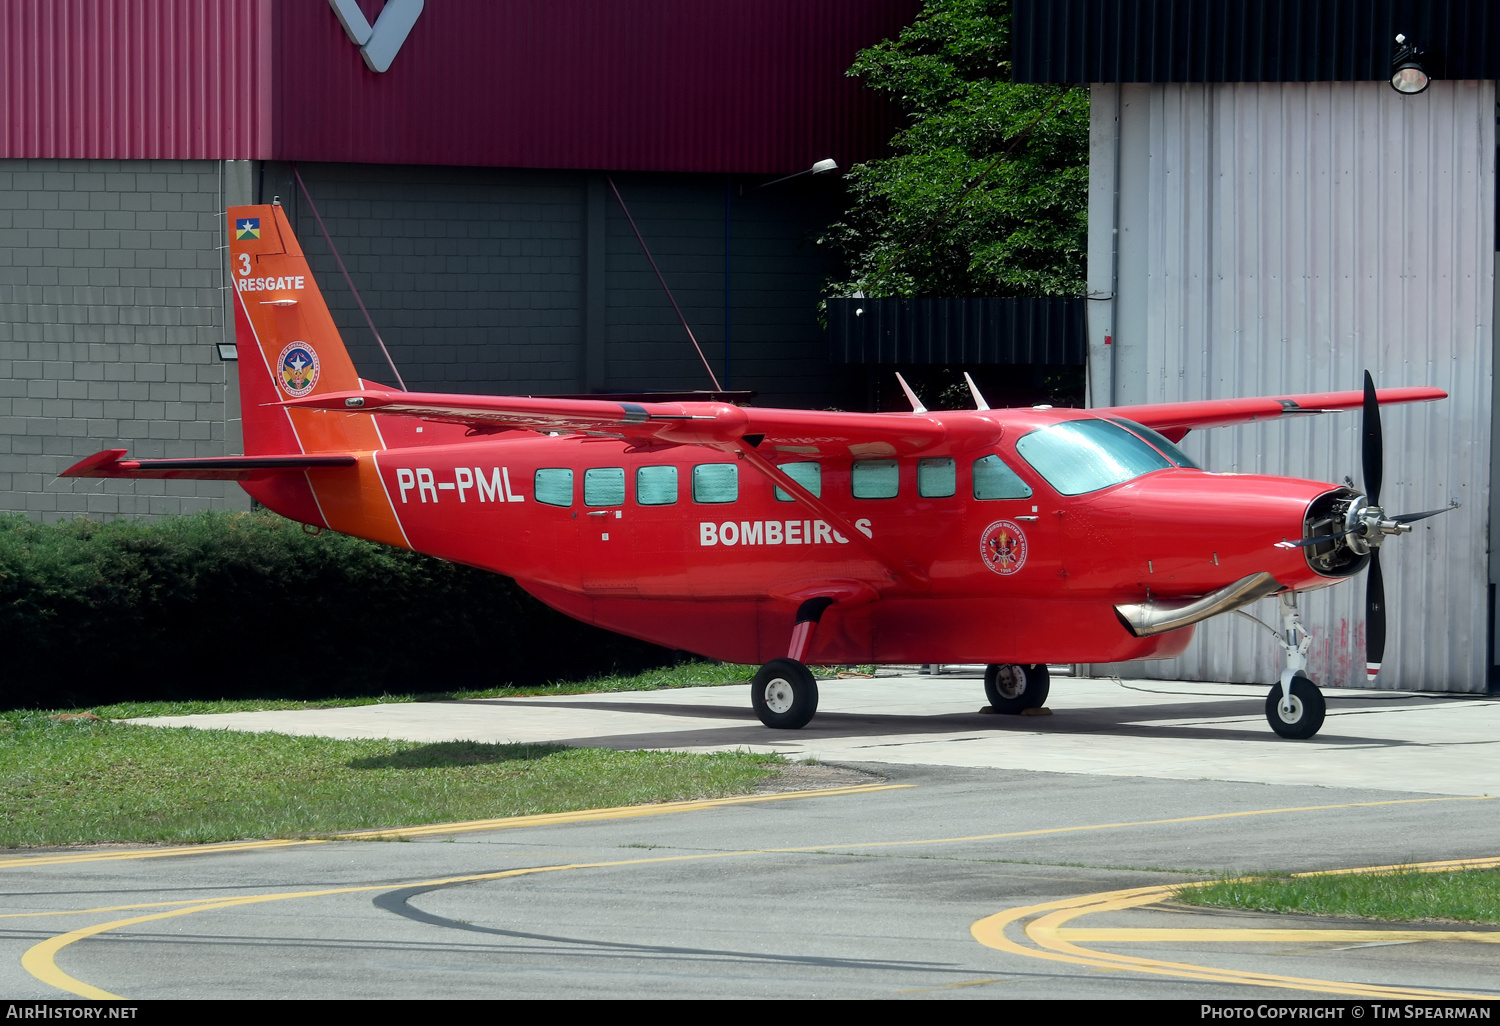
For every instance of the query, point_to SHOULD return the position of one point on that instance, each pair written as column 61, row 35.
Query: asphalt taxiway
column 929, row 880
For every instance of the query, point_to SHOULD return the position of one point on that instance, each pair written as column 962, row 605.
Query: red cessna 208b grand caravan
column 1011, row 537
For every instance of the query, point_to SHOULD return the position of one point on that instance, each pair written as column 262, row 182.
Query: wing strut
column 911, row 577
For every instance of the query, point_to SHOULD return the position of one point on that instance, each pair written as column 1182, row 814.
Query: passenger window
column 716, row 482
column 875, row 479
column 936, row 479
column 604, row 486
column 656, row 486
column 553, row 486
column 808, row 475
column 994, row 480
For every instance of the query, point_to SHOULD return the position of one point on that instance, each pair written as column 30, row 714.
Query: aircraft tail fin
column 288, row 345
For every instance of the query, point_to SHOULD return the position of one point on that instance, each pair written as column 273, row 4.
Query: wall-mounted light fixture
column 822, row 167
column 1412, row 69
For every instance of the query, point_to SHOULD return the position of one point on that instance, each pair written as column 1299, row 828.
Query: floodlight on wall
column 227, row 351
column 1411, row 68
column 822, row 167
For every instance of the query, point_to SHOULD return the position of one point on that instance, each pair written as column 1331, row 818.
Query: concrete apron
column 1433, row 743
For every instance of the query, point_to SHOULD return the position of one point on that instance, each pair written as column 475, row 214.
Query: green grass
column 1467, row 896
column 81, row 781
column 685, row 675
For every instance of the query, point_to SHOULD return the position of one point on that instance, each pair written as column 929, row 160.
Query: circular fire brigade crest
column 298, row 368
column 1003, row 547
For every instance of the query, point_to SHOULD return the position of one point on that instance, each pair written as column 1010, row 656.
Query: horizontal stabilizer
column 110, row 463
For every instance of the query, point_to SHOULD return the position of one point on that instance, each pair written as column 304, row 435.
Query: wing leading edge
column 1176, row 419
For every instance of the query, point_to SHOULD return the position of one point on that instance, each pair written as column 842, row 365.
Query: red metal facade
column 135, row 79
column 751, row 86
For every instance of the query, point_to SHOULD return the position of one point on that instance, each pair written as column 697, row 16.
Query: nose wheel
column 1296, row 710
column 1295, row 707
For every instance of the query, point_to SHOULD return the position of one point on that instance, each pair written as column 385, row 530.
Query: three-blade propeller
column 1374, row 525
column 1368, row 526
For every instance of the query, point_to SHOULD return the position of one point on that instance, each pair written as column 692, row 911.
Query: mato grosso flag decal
column 297, row 369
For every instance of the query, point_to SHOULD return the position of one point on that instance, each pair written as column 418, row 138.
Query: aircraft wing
column 1176, row 419
column 682, row 423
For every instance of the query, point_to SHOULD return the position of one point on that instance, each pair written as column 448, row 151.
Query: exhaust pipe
column 1146, row 619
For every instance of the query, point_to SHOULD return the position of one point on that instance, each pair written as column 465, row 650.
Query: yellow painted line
column 1144, row 822
column 1423, row 867
column 1057, row 943
column 440, row 829
column 1043, row 932
column 146, row 853
column 105, row 908
column 620, row 812
column 40, row 959
column 1251, row 936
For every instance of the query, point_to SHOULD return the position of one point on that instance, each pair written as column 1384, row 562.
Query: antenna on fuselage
column 916, row 404
column 670, row 298
column 979, row 403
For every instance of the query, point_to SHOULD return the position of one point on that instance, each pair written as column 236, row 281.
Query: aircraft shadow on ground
column 457, row 753
column 1185, row 721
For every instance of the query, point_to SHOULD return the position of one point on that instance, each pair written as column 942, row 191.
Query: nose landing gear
column 1295, row 707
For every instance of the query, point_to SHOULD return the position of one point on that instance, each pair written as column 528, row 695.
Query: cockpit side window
column 994, row 480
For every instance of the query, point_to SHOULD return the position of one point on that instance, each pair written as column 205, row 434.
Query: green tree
column 1020, row 151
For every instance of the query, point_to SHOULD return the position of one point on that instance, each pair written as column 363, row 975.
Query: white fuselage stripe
column 375, row 457
column 270, row 373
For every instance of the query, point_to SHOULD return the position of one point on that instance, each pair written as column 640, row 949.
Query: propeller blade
column 1411, row 518
column 1373, row 450
column 1374, row 616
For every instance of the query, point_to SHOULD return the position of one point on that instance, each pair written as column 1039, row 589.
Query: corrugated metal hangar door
column 1281, row 238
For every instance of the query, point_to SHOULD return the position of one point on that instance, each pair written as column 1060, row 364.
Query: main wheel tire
column 1306, row 716
column 1013, row 688
column 784, row 694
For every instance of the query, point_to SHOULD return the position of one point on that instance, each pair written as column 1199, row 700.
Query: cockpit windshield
column 1079, row 456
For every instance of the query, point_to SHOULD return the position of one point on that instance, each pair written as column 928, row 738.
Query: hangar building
column 466, row 187
column 1267, row 215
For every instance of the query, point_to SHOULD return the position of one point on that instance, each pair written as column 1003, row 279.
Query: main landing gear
column 784, row 693
column 1013, row 688
column 1295, row 707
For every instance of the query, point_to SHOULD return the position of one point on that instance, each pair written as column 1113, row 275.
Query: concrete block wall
column 110, row 311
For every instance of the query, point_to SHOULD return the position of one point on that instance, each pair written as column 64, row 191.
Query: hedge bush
column 234, row 605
